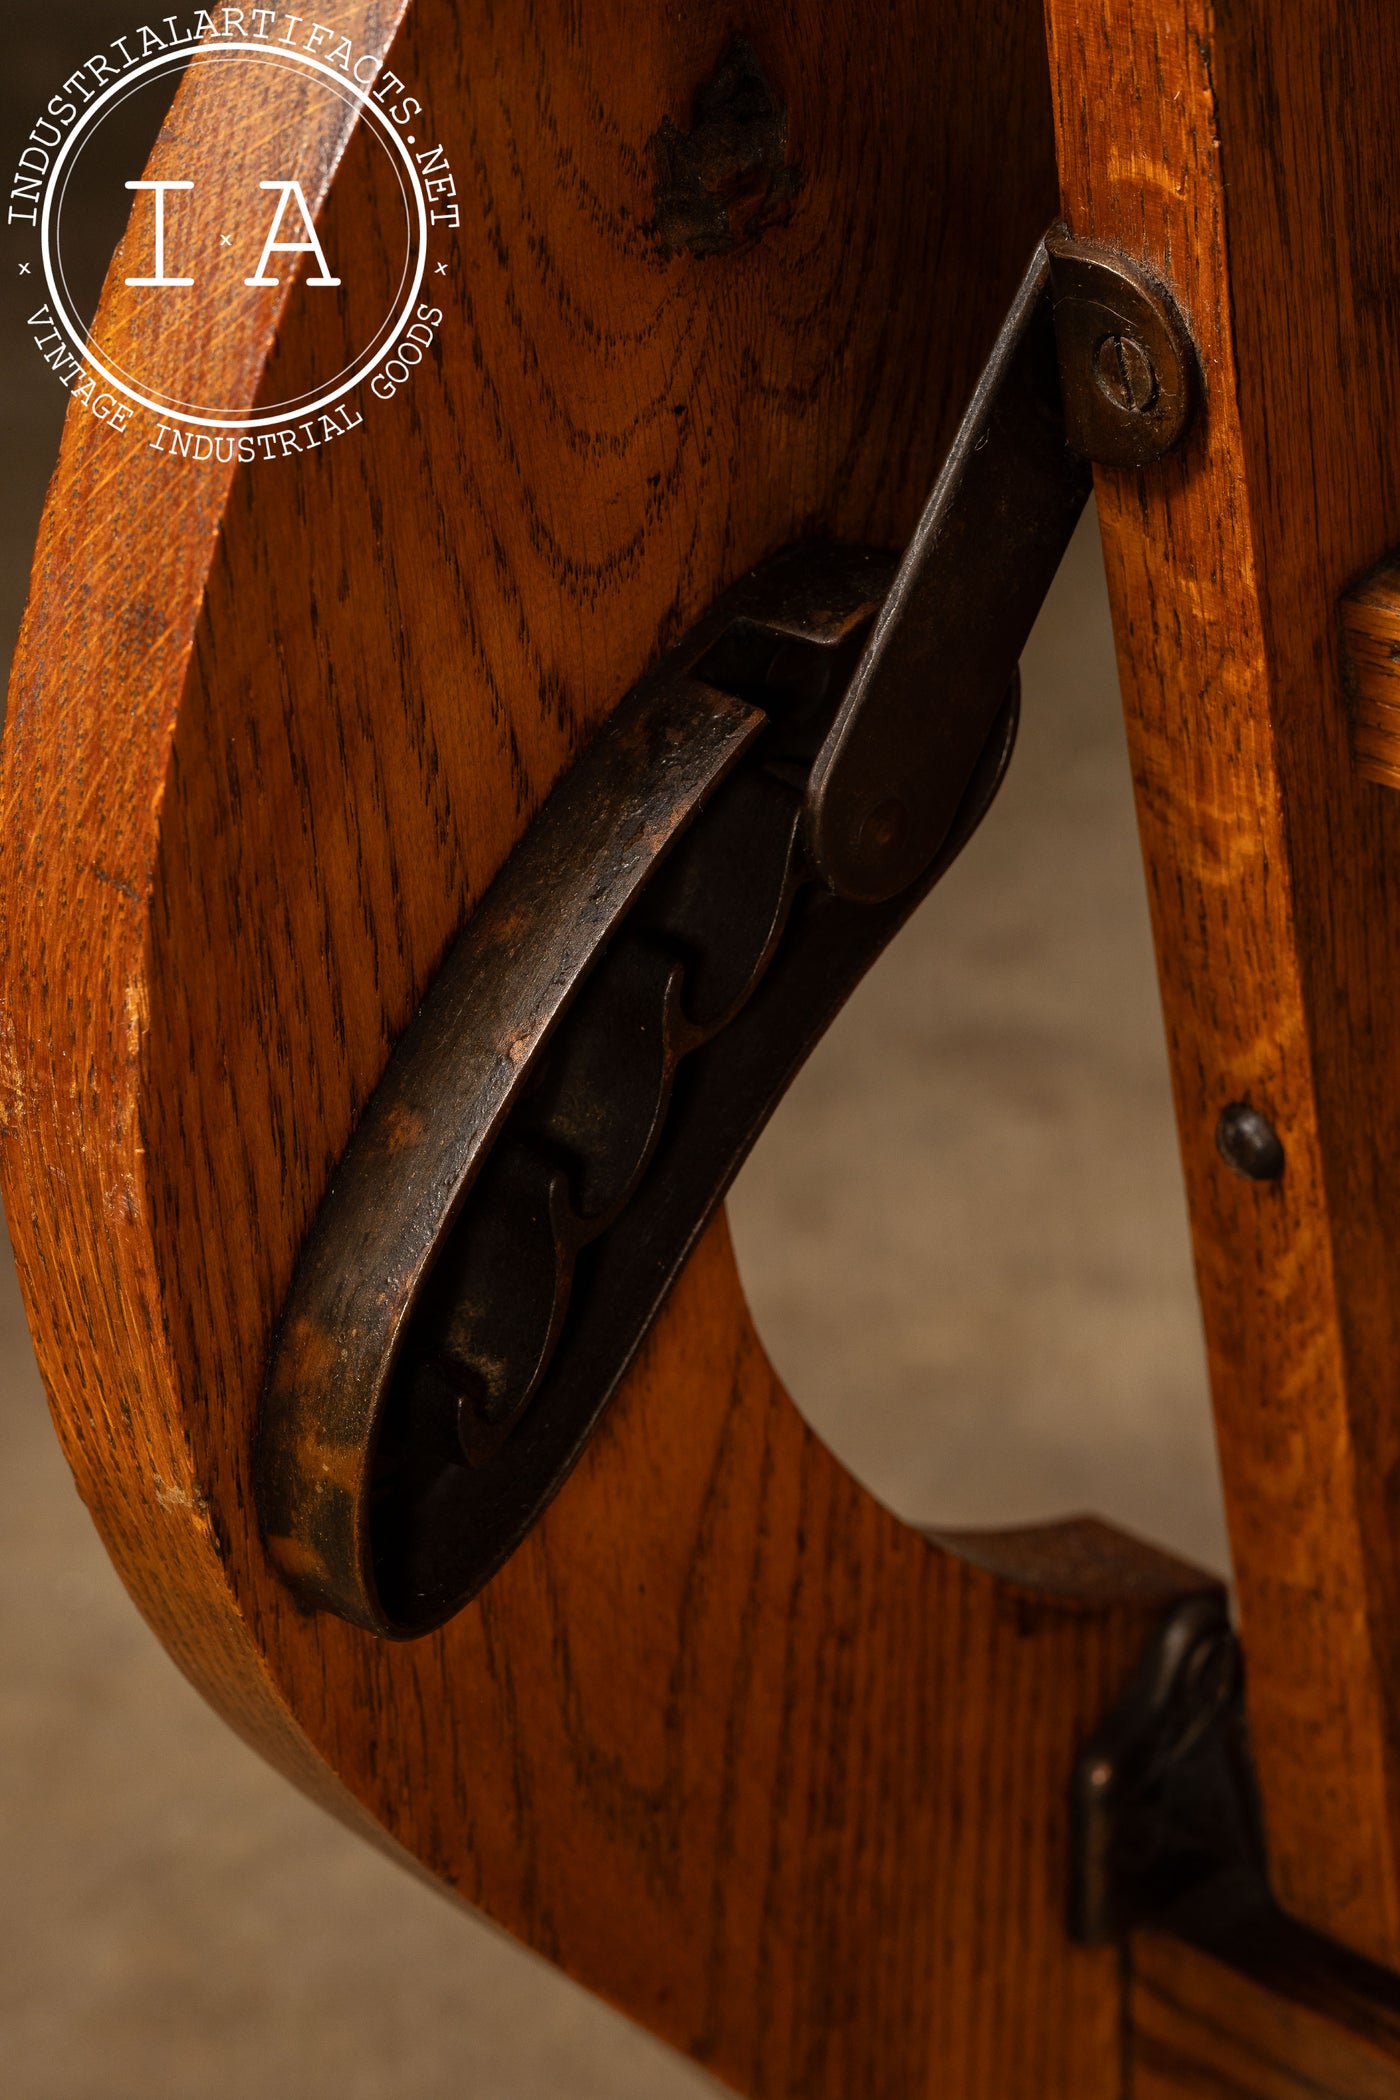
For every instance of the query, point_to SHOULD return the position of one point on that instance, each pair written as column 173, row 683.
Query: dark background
column 965, row 1244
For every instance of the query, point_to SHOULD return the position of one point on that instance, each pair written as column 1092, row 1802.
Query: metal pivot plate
column 628, row 1003
column 1126, row 361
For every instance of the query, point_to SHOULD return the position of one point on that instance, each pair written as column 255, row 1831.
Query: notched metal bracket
column 630, row 1000
column 1163, row 1800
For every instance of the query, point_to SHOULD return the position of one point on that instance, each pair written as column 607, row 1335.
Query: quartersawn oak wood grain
column 1237, row 151
column 774, row 1773
column 771, row 1771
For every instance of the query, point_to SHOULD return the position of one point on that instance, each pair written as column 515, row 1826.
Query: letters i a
column 272, row 246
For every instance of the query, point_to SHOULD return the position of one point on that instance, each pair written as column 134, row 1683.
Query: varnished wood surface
column 1198, row 2029
column 1239, row 153
column 1371, row 663
column 727, row 1742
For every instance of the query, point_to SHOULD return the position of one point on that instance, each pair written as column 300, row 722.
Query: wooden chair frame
column 781, row 1777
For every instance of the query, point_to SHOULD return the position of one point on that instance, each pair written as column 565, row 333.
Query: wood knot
column 725, row 181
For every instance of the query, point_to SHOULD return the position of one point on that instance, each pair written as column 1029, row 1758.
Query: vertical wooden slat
column 1241, row 152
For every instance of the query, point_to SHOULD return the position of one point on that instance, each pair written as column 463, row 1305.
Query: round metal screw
column 1248, row 1143
column 1125, row 374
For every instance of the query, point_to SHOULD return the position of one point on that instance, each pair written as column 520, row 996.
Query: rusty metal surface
column 628, row 1004
column 448, row 1088
column 427, row 1313
column 1127, row 363
column 889, row 778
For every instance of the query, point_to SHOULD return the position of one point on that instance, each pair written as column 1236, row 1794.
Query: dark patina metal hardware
column 948, row 638
column 623, row 1010
column 1247, row 1141
column 1167, row 1836
column 1126, row 361
column 1163, row 1801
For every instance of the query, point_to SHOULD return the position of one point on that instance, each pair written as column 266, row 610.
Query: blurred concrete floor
column 965, row 1244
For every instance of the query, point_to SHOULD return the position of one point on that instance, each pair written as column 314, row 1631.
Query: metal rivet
column 1248, row 1143
column 885, row 825
column 1125, row 374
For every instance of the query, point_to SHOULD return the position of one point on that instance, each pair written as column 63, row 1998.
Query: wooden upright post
column 1243, row 153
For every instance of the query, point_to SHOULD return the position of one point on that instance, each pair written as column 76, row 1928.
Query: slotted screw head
column 1125, row 374
column 1127, row 366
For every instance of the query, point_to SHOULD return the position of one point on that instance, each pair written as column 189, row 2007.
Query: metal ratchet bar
column 889, row 778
